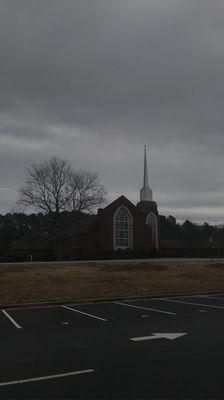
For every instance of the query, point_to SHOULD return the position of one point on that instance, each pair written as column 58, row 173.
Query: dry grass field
column 25, row 284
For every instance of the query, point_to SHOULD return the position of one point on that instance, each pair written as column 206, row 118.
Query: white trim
column 130, row 229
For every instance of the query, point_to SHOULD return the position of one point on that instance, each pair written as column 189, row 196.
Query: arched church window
column 152, row 222
column 122, row 229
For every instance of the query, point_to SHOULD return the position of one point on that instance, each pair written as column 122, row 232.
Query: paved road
column 117, row 350
column 177, row 261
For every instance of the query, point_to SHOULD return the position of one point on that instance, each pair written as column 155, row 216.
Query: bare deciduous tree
column 53, row 186
column 86, row 190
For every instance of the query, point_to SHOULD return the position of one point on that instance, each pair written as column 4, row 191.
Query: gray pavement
column 178, row 261
column 163, row 348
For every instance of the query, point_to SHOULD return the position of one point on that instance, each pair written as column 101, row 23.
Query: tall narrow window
column 122, row 229
column 152, row 222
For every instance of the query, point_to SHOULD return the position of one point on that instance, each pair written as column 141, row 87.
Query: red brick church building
column 124, row 228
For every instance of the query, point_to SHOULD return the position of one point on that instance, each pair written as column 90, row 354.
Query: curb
column 100, row 300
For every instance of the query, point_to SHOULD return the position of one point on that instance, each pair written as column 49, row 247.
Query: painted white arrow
column 153, row 336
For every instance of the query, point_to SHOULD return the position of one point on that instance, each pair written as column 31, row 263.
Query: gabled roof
column 119, row 201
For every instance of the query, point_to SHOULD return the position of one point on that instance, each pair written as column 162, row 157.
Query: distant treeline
column 42, row 227
column 34, row 227
column 189, row 231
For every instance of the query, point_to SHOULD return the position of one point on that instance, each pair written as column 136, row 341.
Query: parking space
column 85, row 315
column 196, row 301
column 91, row 315
column 51, row 319
column 118, row 312
column 99, row 350
column 177, row 306
column 177, row 309
column 149, row 308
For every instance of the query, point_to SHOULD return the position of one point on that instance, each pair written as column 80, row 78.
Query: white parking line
column 192, row 304
column 12, row 320
column 81, row 312
column 212, row 297
column 158, row 298
column 43, row 378
column 145, row 308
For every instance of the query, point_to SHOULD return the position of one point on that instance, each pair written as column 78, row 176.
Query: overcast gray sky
column 95, row 80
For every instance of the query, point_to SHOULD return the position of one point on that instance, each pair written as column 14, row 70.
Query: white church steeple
column 146, row 191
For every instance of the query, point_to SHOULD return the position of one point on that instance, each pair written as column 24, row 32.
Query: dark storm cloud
column 95, row 80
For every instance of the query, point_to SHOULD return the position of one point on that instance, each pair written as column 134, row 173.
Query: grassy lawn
column 21, row 284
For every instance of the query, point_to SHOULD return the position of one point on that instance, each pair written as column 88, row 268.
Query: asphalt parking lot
column 169, row 348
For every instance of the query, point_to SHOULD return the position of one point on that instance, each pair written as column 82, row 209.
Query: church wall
column 142, row 237
column 142, row 242
column 142, row 232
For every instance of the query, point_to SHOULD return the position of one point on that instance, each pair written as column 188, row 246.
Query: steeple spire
column 146, row 191
column 145, row 180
